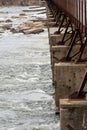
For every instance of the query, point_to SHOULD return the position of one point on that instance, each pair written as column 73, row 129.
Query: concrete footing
column 57, row 53
column 73, row 114
column 60, row 51
column 53, row 39
column 68, row 79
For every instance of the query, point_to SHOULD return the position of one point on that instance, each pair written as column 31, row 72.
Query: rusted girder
column 76, row 11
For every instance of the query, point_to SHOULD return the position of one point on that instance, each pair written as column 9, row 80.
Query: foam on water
column 26, row 101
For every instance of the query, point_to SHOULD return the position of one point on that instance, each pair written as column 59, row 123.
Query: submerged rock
column 8, row 20
column 5, row 21
column 2, row 12
column 23, row 14
column 34, row 10
column 13, row 30
column 20, row 16
column 6, row 26
column 27, row 10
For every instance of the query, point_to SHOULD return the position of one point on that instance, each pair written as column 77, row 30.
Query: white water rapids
column 26, row 101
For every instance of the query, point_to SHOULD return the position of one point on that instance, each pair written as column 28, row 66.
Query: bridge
column 67, row 28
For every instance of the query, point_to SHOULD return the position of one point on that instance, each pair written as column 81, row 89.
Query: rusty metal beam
column 76, row 11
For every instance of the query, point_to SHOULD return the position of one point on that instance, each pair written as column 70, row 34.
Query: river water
column 26, row 90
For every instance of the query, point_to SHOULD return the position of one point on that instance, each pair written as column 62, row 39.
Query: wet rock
column 44, row 12
column 26, row 10
column 44, row 21
column 25, row 26
column 2, row 21
column 1, row 30
column 33, row 30
column 13, row 30
column 20, row 16
column 32, row 24
column 34, row 10
column 23, row 14
column 5, row 21
column 2, row 12
column 29, row 27
column 8, row 20
column 15, row 17
column 7, row 26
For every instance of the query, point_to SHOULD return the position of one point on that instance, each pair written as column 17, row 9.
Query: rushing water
column 26, row 101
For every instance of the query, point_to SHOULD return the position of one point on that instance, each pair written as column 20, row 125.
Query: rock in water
column 29, row 27
column 33, row 30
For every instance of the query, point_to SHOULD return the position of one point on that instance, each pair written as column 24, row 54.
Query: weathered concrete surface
column 73, row 114
column 56, row 54
column 57, row 38
column 59, row 52
column 68, row 79
column 19, row 2
column 52, row 24
column 52, row 30
column 53, row 39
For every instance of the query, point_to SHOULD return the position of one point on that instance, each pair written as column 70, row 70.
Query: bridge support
column 54, row 38
column 59, row 52
column 73, row 114
column 68, row 77
column 68, row 49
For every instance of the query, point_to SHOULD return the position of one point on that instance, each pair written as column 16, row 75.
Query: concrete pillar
column 54, row 38
column 68, row 78
column 58, row 53
column 52, row 24
column 73, row 114
column 51, row 19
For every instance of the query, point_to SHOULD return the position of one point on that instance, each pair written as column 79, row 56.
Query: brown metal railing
column 76, row 11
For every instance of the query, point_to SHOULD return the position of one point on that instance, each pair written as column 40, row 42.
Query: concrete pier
column 54, row 38
column 58, row 52
column 65, row 76
column 73, row 114
column 68, row 79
